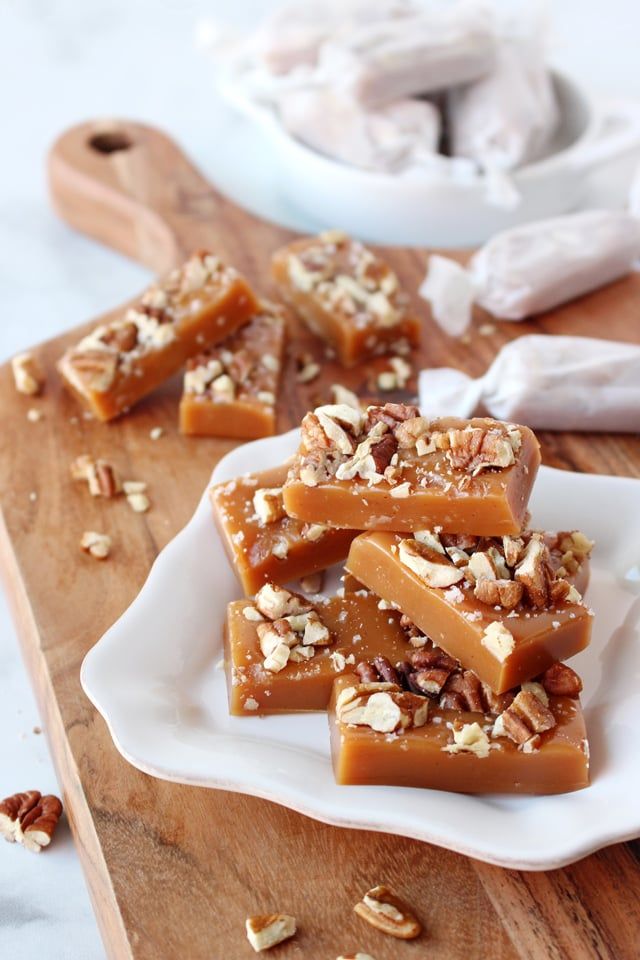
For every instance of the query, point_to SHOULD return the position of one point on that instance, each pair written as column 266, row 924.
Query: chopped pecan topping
column 268, row 504
column 391, row 414
column 122, row 338
column 559, row 680
column 535, row 573
column 430, row 565
column 474, row 449
column 525, row 719
column 382, row 706
column 503, row 593
column 385, row 911
column 96, row 368
column 411, row 431
column 292, row 630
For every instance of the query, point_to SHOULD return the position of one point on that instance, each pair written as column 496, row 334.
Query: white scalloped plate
column 153, row 677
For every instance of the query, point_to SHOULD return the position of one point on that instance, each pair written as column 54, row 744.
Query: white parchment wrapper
column 538, row 266
column 506, row 118
column 545, row 382
column 387, row 138
column 445, row 43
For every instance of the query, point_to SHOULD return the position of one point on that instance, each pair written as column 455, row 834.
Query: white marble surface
column 62, row 62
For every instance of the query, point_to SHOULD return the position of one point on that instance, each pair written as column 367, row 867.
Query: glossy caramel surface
column 328, row 306
column 418, row 758
column 249, row 543
column 250, row 361
column 456, row 621
column 492, row 503
column 361, row 632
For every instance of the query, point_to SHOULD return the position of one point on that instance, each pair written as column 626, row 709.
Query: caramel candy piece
column 358, row 630
column 261, row 541
column 346, row 295
column 118, row 363
column 503, row 644
column 231, row 390
column 455, row 750
column 391, row 469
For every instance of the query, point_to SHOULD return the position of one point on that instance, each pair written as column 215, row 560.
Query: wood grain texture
column 173, row 871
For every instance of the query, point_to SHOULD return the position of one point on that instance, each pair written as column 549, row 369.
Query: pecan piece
column 123, row 337
column 367, row 672
column 475, row 449
column 385, row 911
column 527, row 717
column 386, row 671
column 434, row 568
column 559, row 680
column 28, row 375
column 97, row 368
column 535, row 573
column 503, row 593
column 265, row 931
column 393, row 414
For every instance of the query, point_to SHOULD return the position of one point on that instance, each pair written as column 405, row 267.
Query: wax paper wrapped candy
column 446, row 42
column 545, row 382
column 534, row 267
column 506, row 118
column 388, row 138
column 291, row 36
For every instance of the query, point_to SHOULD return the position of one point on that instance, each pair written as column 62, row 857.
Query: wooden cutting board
column 173, row 871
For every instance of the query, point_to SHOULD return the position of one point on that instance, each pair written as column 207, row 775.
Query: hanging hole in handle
column 111, row 141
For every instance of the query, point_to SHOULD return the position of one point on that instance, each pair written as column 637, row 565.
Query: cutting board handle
column 130, row 186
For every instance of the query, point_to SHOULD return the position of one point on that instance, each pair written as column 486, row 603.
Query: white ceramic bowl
column 426, row 208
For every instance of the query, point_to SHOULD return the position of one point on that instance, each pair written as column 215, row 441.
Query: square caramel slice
column 283, row 652
column 498, row 605
column 261, row 541
column 121, row 361
column 231, row 390
column 388, row 468
column 382, row 734
column 347, row 295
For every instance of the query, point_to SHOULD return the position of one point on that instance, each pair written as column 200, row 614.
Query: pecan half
column 30, row 819
column 385, row 911
column 559, row 680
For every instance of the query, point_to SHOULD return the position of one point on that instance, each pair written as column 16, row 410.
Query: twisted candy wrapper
column 545, row 382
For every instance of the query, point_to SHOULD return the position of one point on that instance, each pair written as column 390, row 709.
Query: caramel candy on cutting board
column 120, row 362
column 529, row 616
column 231, row 390
column 358, row 630
column 450, row 749
column 347, row 296
column 391, row 469
column 261, row 541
